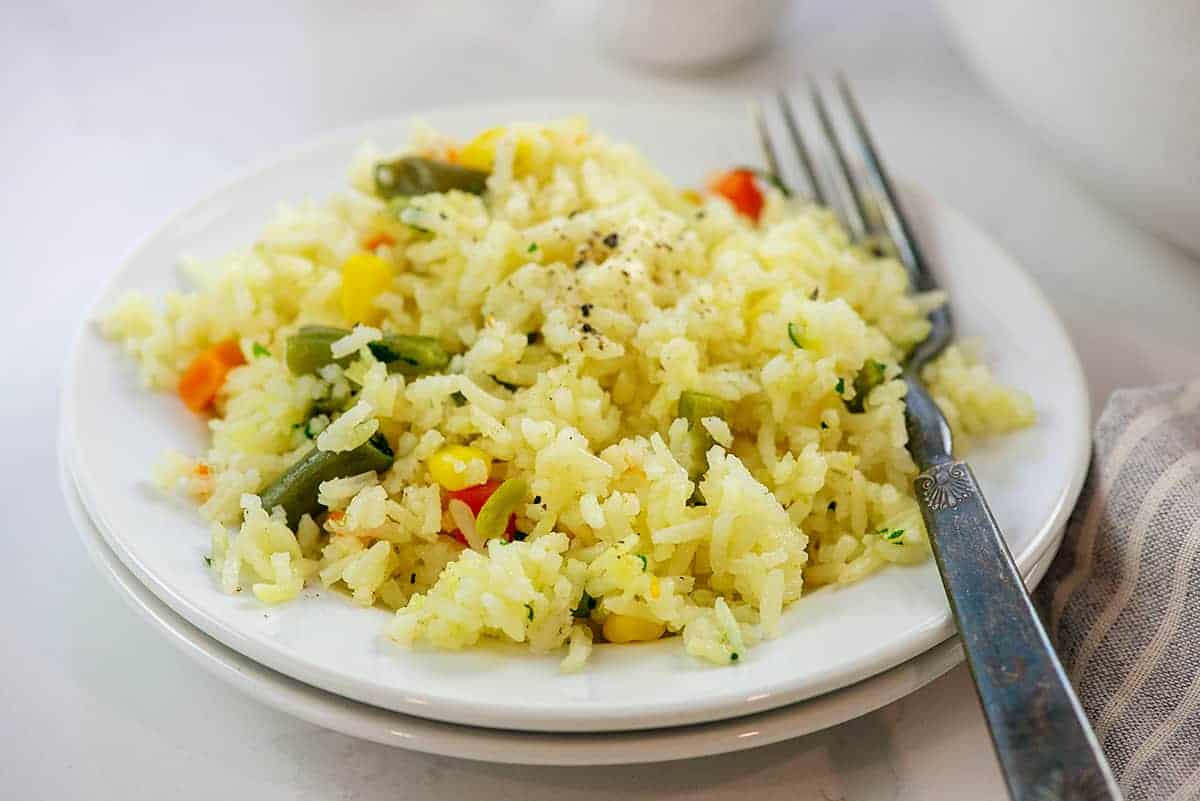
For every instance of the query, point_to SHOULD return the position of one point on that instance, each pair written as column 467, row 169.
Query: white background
column 115, row 114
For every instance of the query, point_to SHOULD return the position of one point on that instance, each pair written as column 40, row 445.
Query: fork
column 1042, row 739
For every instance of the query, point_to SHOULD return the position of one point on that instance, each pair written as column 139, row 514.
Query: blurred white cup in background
column 687, row 33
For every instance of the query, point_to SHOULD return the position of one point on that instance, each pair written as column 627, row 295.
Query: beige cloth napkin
column 1122, row 599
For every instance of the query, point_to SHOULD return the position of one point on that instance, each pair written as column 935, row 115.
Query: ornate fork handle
column 1042, row 739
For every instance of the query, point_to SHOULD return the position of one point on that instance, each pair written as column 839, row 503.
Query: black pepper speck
column 611, row 240
column 585, row 309
column 587, row 328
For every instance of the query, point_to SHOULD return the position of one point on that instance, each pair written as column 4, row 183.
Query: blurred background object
column 1112, row 85
column 687, row 33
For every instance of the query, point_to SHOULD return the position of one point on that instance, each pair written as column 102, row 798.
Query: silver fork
column 1044, row 744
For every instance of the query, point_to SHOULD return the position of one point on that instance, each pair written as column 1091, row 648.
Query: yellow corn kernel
column 480, row 152
column 627, row 628
column 364, row 278
column 457, row 467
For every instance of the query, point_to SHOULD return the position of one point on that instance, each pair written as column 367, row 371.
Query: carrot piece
column 372, row 241
column 202, row 379
column 739, row 188
column 230, row 353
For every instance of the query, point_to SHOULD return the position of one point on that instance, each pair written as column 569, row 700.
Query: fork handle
column 1042, row 739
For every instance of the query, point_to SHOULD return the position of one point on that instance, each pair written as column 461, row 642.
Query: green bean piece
column 870, row 376
column 415, row 175
column 493, row 515
column 410, row 355
column 694, row 407
column 297, row 489
column 310, row 349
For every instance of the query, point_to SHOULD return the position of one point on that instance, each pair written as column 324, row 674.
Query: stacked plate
column 843, row 651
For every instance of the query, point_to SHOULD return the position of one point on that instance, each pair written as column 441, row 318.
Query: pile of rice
column 601, row 292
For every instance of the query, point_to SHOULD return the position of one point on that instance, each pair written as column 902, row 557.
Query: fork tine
column 802, row 152
column 855, row 212
column 768, row 149
column 889, row 203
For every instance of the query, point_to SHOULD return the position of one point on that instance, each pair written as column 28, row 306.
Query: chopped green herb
column 458, row 398
column 796, row 334
column 259, row 350
column 895, row 536
column 735, row 656
column 529, row 611
column 644, row 561
column 532, row 247
column 816, row 293
column 586, row 604
column 840, row 386
column 208, row 561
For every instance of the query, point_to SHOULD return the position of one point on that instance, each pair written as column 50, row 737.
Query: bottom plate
column 493, row 745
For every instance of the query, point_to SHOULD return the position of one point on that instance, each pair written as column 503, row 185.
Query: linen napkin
column 1122, row 599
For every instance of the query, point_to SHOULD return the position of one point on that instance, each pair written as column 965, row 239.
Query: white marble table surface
column 117, row 113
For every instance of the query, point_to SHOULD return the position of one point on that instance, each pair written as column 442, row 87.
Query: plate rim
column 409, row 732
column 449, row 708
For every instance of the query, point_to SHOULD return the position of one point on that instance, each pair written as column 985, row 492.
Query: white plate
column 495, row 745
column 833, row 638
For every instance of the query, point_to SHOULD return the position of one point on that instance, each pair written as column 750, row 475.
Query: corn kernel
column 364, row 277
column 627, row 628
column 457, row 467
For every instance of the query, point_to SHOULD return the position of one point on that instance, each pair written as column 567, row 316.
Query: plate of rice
column 549, row 416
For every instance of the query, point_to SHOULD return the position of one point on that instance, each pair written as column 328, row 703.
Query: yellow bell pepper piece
column 627, row 628
column 457, row 467
column 480, row 152
column 365, row 276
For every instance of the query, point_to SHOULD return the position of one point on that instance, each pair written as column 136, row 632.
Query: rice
column 580, row 298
